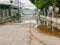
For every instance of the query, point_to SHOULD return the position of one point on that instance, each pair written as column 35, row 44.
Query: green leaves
column 44, row 3
column 58, row 3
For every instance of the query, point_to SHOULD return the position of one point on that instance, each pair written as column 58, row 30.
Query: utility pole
column 53, row 13
column 11, row 1
column 18, row 6
column 54, row 5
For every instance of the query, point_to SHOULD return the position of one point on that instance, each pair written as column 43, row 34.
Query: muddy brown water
column 48, row 31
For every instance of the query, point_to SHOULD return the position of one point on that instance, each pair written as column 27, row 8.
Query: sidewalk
column 48, row 40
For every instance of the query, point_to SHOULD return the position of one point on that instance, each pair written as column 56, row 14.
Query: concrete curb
column 48, row 40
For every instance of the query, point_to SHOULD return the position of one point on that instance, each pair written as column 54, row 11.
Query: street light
column 54, row 5
column 11, row 1
column 53, row 13
column 18, row 6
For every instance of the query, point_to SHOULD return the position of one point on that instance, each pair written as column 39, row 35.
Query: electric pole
column 18, row 6
column 54, row 5
column 53, row 13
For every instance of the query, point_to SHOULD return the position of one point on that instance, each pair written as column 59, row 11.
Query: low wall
column 56, row 22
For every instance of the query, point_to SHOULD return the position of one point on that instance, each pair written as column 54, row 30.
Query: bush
column 6, row 19
column 16, row 17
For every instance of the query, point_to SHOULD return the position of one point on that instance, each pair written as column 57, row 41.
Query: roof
column 7, row 2
column 5, row 6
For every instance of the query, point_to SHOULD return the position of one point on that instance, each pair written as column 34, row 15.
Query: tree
column 58, row 4
column 41, row 4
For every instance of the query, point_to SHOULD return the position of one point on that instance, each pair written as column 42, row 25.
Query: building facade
column 8, row 7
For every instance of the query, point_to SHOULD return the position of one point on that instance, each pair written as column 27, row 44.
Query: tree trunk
column 59, row 9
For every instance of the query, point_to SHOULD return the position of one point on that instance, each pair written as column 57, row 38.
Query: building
column 8, row 7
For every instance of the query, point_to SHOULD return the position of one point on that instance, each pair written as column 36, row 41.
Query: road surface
column 17, row 34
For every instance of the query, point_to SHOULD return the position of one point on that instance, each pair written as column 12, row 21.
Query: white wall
column 15, row 2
